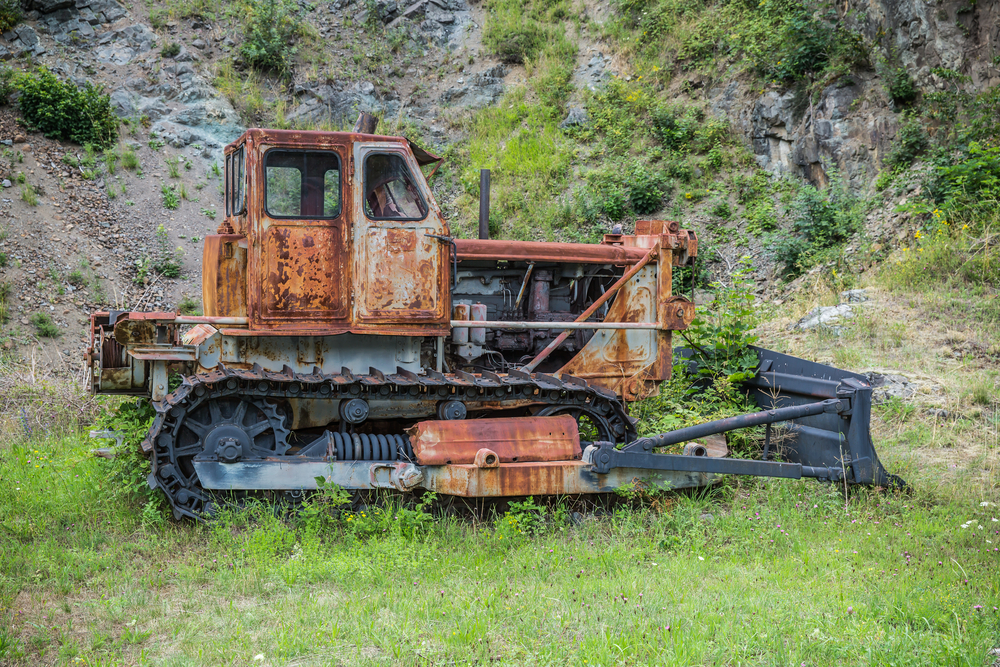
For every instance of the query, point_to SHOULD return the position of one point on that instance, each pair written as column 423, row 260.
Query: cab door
column 301, row 245
column 401, row 267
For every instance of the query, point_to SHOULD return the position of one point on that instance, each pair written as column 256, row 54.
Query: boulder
column 826, row 317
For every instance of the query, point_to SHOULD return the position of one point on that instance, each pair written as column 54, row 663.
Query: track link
column 173, row 473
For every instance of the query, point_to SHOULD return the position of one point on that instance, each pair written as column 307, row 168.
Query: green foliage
column 129, row 159
column 173, row 166
column 7, row 79
column 707, row 374
column 721, row 335
column 189, row 306
column 522, row 520
column 10, row 14
column 911, row 143
column 900, row 86
column 60, row 110
column 165, row 261
column 519, row 31
column 968, row 185
column 126, row 473
column 5, row 288
column 271, row 25
column 824, row 220
column 170, row 50
column 44, row 326
column 171, row 198
column 29, row 194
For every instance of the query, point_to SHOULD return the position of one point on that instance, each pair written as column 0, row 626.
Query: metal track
column 173, row 473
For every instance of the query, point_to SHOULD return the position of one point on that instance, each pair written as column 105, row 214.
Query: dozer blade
column 823, row 416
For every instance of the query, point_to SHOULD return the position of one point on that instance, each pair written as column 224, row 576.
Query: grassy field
column 749, row 572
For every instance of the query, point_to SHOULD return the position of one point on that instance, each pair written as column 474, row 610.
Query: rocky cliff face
column 852, row 123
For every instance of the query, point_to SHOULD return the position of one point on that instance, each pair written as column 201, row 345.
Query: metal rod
column 204, row 319
column 733, row 423
column 469, row 324
column 767, row 442
column 439, row 361
column 484, row 204
column 653, row 252
column 524, row 285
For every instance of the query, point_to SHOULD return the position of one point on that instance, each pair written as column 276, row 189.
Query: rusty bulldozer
column 349, row 337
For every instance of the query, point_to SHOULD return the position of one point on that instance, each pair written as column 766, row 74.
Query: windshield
column 390, row 190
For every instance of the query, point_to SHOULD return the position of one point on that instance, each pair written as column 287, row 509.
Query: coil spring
column 371, row 447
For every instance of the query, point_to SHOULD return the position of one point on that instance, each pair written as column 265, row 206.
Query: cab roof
column 320, row 139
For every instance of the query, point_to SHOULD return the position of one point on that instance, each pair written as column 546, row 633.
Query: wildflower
column 985, row 504
column 701, row 558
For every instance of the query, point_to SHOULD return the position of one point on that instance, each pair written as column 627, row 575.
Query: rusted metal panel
column 547, row 478
column 304, row 272
column 224, row 275
column 401, row 267
column 677, row 313
column 620, row 360
column 512, row 439
column 468, row 480
column 539, row 251
column 198, row 334
column 664, row 340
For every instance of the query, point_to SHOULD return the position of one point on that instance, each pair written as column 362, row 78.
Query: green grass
column 784, row 573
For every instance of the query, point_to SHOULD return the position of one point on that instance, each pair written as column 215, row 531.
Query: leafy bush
column 911, row 142
column 60, row 110
column 270, row 28
column 520, row 30
column 171, row 199
column 170, row 50
column 823, row 220
column 10, row 14
column 7, row 81
column 705, row 383
column 721, row 335
column 644, row 194
column 971, row 183
column 900, row 86
column 44, row 326
column 676, row 126
column 127, row 471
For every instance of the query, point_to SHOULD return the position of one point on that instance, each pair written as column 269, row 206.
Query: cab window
column 302, row 184
column 390, row 189
column 236, row 177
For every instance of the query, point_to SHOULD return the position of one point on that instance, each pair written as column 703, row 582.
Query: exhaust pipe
column 484, row 203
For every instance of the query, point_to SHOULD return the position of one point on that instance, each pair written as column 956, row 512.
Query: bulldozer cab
column 330, row 232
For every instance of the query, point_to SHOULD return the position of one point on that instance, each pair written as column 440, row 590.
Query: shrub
column 900, row 87
column 911, row 142
column 823, row 220
column 60, row 110
column 675, row 127
column 7, row 80
column 511, row 35
column 170, row 50
column 970, row 183
column 44, row 325
column 29, row 194
column 271, row 26
column 645, row 194
column 10, row 14
column 166, row 261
